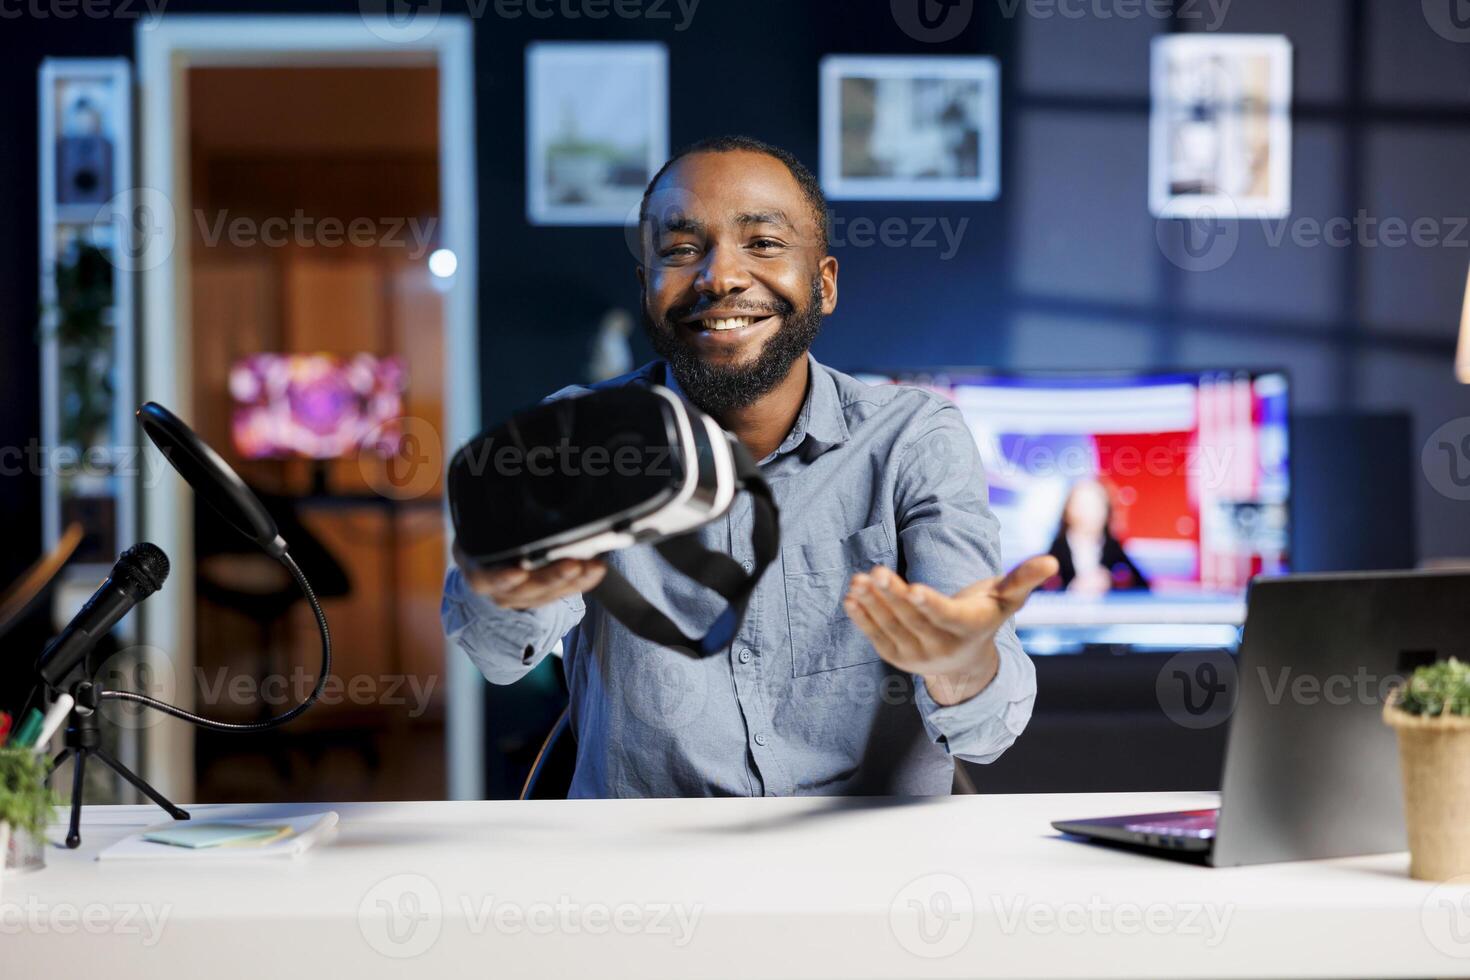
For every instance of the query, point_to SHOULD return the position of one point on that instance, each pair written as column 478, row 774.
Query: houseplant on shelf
column 1431, row 713
column 25, row 800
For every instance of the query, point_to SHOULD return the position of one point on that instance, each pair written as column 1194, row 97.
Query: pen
column 25, row 735
column 55, row 715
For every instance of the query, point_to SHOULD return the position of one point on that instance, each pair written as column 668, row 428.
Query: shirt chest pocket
column 816, row 577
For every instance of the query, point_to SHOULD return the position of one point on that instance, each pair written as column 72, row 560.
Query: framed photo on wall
column 910, row 128
column 1220, row 128
column 597, row 129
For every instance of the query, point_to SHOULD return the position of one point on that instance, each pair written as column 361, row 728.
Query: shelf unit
column 89, row 454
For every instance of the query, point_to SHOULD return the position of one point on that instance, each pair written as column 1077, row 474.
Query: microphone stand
column 213, row 478
column 84, row 740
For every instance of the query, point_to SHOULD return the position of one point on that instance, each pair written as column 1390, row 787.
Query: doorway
column 315, row 321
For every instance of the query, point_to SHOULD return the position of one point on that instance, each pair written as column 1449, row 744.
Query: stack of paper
column 299, row 835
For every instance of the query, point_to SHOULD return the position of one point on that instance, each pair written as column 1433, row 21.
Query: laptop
column 1311, row 770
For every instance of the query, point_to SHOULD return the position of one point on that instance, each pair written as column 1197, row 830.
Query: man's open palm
column 948, row 640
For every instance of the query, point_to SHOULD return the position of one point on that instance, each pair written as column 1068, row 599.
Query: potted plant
column 25, row 800
column 1431, row 713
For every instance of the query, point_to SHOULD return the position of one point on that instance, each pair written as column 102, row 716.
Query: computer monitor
column 1160, row 494
column 315, row 406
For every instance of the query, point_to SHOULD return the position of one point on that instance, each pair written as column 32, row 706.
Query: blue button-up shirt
column 800, row 702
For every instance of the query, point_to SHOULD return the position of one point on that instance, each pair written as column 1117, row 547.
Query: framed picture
column 918, row 128
column 597, row 124
column 1220, row 130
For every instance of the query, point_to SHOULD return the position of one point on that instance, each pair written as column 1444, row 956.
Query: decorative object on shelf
column 916, row 128
column 84, row 147
column 597, row 116
column 1220, row 129
column 1431, row 713
column 81, row 323
column 611, row 353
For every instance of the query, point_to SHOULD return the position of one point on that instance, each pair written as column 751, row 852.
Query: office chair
column 26, row 591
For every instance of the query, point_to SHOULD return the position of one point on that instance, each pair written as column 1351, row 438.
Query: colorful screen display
column 1161, row 495
column 317, row 406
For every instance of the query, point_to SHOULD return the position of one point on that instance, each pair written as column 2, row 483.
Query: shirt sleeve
column 504, row 643
column 949, row 539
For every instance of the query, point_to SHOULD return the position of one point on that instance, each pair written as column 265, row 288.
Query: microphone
column 136, row 576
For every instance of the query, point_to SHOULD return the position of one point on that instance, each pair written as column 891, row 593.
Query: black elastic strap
column 713, row 569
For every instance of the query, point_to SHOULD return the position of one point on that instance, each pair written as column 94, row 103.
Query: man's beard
column 718, row 389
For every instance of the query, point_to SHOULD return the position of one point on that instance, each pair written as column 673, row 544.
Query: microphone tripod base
column 83, row 741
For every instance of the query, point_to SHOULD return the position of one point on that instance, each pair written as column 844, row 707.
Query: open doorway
column 315, row 321
column 317, row 364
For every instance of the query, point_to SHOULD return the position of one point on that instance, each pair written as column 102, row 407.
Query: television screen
column 316, row 406
column 1160, row 495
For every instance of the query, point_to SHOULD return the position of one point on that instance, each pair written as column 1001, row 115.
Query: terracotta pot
column 1434, row 758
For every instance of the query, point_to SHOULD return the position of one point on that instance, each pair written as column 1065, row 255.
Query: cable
column 534, row 776
column 252, row 726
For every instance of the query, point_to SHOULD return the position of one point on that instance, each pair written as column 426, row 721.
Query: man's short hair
column 811, row 188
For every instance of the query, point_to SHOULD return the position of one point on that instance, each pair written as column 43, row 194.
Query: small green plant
column 25, row 800
column 1437, row 689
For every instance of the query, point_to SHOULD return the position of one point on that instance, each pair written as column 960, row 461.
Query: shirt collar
column 820, row 421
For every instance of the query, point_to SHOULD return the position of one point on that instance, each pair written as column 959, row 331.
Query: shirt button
column 745, row 655
column 760, row 738
column 746, row 565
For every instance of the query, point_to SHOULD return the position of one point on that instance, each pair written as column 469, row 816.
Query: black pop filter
column 211, row 477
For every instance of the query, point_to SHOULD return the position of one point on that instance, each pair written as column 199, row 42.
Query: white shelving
column 89, row 469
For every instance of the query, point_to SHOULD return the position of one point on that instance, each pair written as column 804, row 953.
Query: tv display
column 316, row 406
column 1161, row 495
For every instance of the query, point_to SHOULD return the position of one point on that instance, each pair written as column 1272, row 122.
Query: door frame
column 166, row 49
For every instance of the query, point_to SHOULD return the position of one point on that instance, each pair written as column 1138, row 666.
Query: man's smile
column 728, row 328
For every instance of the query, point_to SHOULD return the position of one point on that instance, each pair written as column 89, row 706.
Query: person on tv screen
column 881, row 647
column 1091, row 559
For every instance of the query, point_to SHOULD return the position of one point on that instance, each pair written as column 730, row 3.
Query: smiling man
column 879, row 647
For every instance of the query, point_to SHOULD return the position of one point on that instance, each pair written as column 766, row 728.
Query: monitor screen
column 316, row 406
column 1160, row 495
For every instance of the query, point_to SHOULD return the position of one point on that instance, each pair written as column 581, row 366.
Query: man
column 879, row 646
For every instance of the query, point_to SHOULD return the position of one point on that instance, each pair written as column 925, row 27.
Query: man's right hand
column 517, row 588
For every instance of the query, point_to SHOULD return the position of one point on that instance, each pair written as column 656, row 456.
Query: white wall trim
column 165, row 49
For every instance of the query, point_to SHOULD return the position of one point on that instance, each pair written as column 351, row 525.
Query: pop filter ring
column 195, row 461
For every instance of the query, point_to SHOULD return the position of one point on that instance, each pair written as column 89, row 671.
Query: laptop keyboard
column 1200, row 825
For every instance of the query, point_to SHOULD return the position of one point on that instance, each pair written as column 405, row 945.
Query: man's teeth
column 731, row 323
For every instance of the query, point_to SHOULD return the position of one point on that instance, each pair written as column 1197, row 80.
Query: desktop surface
column 954, row 886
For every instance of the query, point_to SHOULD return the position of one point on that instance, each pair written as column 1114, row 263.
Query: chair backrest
column 27, row 590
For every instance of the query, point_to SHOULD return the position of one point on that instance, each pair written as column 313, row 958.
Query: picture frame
column 910, row 128
column 1220, row 126
column 597, row 129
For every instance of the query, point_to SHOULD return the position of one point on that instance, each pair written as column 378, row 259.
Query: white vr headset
column 583, row 476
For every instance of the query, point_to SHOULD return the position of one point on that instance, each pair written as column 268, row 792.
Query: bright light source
column 443, row 262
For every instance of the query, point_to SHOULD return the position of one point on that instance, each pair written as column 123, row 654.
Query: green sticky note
column 215, row 834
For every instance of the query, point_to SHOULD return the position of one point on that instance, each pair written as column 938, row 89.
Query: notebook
column 300, row 834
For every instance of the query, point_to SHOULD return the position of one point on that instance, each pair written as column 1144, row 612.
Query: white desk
column 777, row 888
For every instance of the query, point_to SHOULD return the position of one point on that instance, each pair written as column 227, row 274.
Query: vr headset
column 591, row 474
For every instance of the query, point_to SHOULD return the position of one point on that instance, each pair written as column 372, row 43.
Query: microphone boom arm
column 252, row 726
